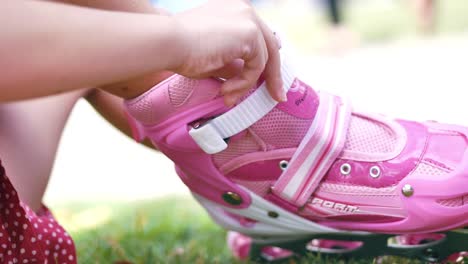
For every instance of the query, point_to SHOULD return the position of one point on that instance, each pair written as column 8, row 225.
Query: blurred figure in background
column 334, row 11
column 340, row 38
column 426, row 15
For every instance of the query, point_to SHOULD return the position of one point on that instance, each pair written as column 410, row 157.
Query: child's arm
column 48, row 48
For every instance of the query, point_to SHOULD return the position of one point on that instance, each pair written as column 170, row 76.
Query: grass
column 172, row 230
column 169, row 230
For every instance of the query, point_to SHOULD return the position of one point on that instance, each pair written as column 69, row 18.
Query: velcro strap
column 318, row 150
column 211, row 135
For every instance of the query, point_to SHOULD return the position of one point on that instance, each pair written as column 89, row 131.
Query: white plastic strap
column 211, row 136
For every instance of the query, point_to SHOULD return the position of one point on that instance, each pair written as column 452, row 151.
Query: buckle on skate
column 318, row 150
column 211, row 136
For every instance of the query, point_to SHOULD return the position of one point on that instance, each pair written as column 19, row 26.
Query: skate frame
column 373, row 245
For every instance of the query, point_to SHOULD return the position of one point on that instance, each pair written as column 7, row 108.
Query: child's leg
column 29, row 137
column 28, row 163
column 109, row 103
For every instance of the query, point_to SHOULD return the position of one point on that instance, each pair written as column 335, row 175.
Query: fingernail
column 278, row 40
column 283, row 97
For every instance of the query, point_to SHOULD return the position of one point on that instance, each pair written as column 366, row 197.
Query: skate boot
column 303, row 173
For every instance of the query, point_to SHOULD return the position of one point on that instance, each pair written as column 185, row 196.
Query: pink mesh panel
column 356, row 189
column 236, row 148
column 142, row 110
column 430, row 170
column 180, row 89
column 454, row 202
column 259, row 187
column 369, row 137
column 280, row 130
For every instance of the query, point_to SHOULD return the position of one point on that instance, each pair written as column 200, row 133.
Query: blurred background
column 399, row 57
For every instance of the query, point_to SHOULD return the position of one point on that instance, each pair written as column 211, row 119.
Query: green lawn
column 170, row 230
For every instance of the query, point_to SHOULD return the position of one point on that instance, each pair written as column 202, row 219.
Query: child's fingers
column 232, row 98
column 272, row 72
column 254, row 63
column 229, row 71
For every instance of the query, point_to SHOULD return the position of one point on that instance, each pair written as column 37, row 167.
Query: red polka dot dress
column 29, row 237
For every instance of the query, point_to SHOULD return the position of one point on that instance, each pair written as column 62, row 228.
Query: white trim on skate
column 285, row 224
column 211, row 136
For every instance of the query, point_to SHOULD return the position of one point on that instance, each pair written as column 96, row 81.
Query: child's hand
column 214, row 35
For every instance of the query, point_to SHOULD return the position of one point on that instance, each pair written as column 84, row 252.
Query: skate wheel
column 333, row 246
column 459, row 258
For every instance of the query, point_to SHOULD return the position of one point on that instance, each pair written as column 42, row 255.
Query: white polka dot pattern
column 24, row 234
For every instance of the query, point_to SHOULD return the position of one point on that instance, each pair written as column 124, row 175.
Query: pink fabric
column 362, row 147
column 340, row 199
column 447, row 147
column 302, row 101
column 368, row 136
column 356, row 195
column 392, row 171
column 290, row 119
column 290, row 130
column 155, row 106
column 239, row 147
column 257, row 158
column 267, row 170
column 430, row 169
column 454, row 202
column 259, row 187
column 180, row 90
column 28, row 237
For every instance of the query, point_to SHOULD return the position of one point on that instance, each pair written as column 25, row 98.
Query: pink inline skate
column 311, row 174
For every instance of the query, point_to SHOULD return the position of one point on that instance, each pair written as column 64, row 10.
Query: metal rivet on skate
column 273, row 214
column 407, row 190
column 196, row 125
column 232, row 198
column 374, row 171
column 345, row 169
column 283, row 164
